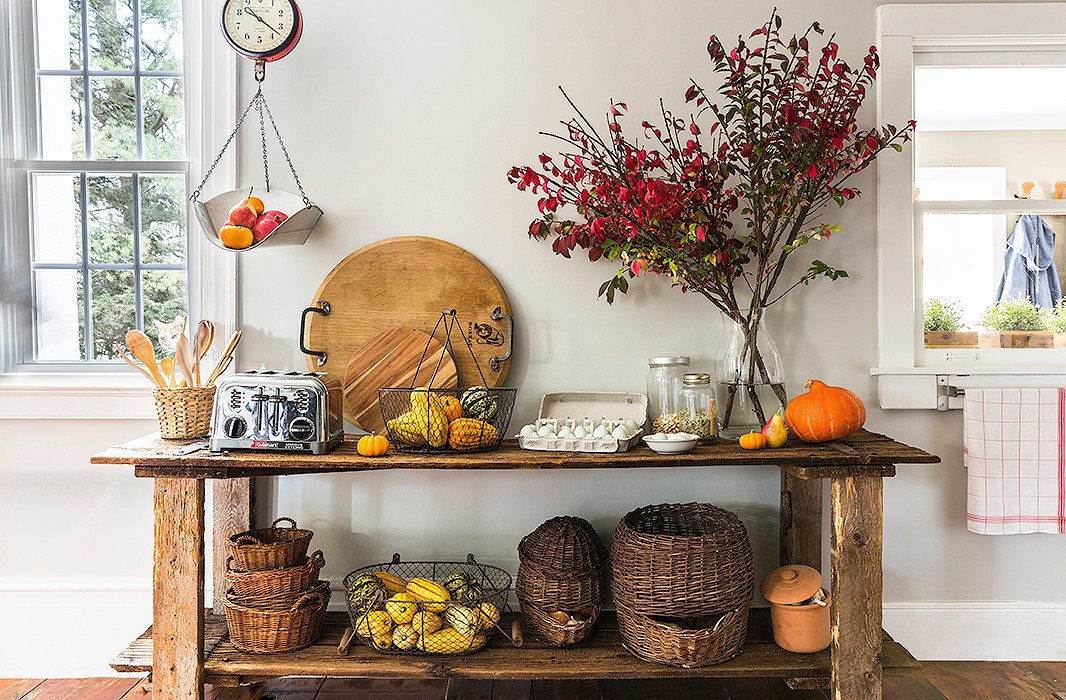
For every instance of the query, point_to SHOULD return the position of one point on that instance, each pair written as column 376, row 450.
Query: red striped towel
column 1014, row 448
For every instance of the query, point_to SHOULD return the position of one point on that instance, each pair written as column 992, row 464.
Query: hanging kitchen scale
column 263, row 31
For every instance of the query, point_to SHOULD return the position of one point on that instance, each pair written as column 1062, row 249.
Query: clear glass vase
column 751, row 384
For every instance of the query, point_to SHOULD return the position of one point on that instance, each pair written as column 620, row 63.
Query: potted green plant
column 1016, row 323
column 1056, row 319
column 943, row 326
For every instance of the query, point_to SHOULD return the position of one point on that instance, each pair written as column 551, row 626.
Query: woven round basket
column 683, row 583
column 184, row 413
column 666, row 643
column 271, row 582
column 270, row 547
column 274, row 628
column 562, row 567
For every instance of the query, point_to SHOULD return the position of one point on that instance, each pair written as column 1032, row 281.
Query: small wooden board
column 405, row 283
column 397, row 357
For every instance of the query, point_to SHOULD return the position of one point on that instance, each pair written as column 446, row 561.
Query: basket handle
column 284, row 519
column 316, row 561
column 314, row 597
column 229, row 564
column 247, row 539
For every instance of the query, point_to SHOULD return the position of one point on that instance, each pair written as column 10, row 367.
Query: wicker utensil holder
column 679, row 561
column 271, row 547
column 562, row 567
column 273, row 628
column 271, row 582
column 184, row 413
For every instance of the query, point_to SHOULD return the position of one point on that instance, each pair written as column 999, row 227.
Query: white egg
column 546, row 431
column 620, row 432
column 632, row 424
column 528, row 430
column 659, row 436
column 580, row 432
column 600, row 431
column 564, row 432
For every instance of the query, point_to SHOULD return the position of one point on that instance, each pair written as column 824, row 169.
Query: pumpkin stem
column 808, row 384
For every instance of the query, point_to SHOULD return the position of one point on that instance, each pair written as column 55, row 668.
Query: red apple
column 278, row 216
column 243, row 215
column 263, row 228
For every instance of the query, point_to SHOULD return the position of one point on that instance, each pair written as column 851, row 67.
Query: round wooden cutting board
column 391, row 359
column 405, row 283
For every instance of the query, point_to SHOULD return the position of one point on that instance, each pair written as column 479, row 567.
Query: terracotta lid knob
column 791, row 584
column 789, row 575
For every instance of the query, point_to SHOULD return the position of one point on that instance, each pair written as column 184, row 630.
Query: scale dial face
column 262, row 28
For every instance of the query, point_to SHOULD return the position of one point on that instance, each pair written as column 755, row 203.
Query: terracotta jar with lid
column 802, row 629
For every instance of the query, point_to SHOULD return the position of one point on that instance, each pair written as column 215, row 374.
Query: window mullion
column 138, row 299
column 138, row 95
column 86, row 280
column 86, row 92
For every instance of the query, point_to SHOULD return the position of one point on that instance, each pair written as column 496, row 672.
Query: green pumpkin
column 367, row 592
column 478, row 402
column 463, row 586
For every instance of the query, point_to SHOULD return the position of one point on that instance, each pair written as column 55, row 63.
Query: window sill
column 936, row 388
column 75, row 396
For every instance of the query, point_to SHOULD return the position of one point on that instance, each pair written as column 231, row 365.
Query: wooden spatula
column 134, row 365
column 183, row 359
column 220, row 366
column 205, row 334
column 141, row 347
column 167, row 365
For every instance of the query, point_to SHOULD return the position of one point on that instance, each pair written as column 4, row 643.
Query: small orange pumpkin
column 372, row 445
column 753, row 441
column 452, row 408
column 824, row 413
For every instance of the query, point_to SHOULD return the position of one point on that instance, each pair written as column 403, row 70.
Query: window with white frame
column 104, row 174
column 972, row 218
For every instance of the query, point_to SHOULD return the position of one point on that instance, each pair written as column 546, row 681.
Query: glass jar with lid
column 698, row 414
column 665, row 377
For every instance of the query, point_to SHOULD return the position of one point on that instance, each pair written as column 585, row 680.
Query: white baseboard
column 985, row 630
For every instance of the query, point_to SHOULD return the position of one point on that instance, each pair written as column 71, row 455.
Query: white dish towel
column 1014, row 448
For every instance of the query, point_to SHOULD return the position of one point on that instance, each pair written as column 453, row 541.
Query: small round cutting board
column 391, row 359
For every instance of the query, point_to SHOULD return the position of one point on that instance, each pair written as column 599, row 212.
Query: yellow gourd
column 466, row 620
column 452, row 408
column 374, row 624
column 490, row 615
column 406, row 427
column 429, row 417
column 471, row 434
column 404, row 637
column 426, row 623
column 382, row 641
column 753, row 441
column 401, row 608
column 450, row 641
column 394, row 583
column 372, row 445
column 431, row 594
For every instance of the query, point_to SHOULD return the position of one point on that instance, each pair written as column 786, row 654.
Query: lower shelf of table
column 601, row 656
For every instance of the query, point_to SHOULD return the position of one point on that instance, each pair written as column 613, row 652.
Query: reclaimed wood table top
column 862, row 454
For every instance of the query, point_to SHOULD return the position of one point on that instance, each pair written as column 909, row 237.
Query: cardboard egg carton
column 588, row 409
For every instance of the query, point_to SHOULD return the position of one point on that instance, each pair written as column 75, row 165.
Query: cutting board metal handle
column 321, row 308
column 494, row 362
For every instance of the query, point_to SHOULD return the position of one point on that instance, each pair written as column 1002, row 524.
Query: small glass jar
column 665, row 376
column 698, row 406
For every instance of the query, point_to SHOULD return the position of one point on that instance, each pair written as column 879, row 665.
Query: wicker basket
column 271, row 628
column 271, row 547
column 678, row 561
column 562, row 567
column 272, row 582
column 184, row 413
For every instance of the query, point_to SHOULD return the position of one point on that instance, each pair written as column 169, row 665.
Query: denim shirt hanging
column 1029, row 264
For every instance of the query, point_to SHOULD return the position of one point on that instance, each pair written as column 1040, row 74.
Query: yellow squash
column 401, row 607
column 404, row 637
column 406, row 427
column 394, row 583
column 431, row 594
column 426, row 623
column 471, row 434
column 450, row 641
column 374, row 624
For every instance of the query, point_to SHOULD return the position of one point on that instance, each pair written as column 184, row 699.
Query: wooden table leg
column 232, row 505
column 857, row 588
column 801, row 520
column 178, row 590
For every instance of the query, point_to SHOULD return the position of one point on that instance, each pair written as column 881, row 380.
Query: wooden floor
column 944, row 680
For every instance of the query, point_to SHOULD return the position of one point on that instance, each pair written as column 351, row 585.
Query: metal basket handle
column 450, row 320
column 284, row 519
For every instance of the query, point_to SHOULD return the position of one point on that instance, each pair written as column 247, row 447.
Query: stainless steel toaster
column 283, row 411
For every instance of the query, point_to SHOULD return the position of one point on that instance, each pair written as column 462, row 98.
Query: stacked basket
column 562, row 580
column 274, row 600
column 683, row 583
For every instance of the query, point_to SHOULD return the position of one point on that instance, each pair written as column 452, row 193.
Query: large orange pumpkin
column 824, row 413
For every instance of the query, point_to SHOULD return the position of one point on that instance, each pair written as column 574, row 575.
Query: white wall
column 403, row 119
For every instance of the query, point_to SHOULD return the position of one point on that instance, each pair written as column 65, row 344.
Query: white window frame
column 905, row 378
column 112, row 391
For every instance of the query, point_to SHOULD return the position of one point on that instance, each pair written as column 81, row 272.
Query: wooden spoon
column 134, row 365
column 201, row 343
column 141, row 347
column 220, row 366
column 182, row 355
column 167, row 365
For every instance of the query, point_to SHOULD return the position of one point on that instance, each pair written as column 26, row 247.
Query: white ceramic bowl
column 674, row 446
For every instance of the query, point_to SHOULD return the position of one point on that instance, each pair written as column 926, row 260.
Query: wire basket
column 399, row 608
column 439, row 420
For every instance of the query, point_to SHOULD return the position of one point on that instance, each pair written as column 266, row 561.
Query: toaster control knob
column 235, row 427
column 301, row 429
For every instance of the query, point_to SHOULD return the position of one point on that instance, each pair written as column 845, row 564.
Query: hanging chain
column 233, row 135
column 263, row 139
column 285, row 152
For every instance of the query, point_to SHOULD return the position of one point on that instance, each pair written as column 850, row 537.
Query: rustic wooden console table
column 186, row 647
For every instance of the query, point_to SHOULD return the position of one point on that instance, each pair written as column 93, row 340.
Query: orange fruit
column 235, row 237
column 256, row 204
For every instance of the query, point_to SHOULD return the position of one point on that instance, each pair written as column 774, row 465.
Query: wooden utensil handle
column 322, row 308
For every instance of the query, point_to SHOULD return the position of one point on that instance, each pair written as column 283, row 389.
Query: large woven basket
column 270, row 582
column 562, row 567
column 271, row 627
column 270, row 547
column 184, row 413
column 677, row 562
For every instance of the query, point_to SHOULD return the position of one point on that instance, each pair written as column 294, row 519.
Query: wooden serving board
column 391, row 359
column 405, row 283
